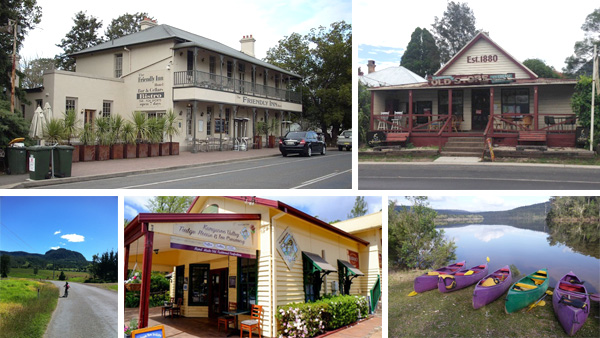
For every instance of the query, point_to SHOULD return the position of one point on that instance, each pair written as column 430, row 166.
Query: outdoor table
column 166, row 308
column 236, row 313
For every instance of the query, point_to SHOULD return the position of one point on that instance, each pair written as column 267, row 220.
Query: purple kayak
column 461, row 279
column 491, row 287
column 428, row 281
column 571, row 303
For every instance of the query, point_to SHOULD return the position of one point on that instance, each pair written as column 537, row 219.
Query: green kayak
column 526, row 291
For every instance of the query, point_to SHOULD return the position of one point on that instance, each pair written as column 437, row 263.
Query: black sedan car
column 302, row 142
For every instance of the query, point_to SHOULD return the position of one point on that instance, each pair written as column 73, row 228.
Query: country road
column 87, row 312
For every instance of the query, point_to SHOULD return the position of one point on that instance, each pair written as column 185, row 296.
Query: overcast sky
column 525, row 29
column 484, row 202
column 226, row 22
column 326, row 208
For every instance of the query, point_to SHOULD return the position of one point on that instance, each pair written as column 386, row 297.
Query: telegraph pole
column 14, row 60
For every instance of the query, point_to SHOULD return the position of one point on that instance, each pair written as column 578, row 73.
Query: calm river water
column 528, row 250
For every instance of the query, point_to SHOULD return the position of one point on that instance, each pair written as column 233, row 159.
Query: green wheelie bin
column 39, row 162
column 63, row 160
column 17, row 160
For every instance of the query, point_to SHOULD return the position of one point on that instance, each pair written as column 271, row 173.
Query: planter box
column 164, row 149
column 257, row 142
column 133, row 287
column 142, row 150
column 87, row 153
column 129, row 151
column 174, row 148
column 102, row 153
column 153, row 149
column 271, row 141
column 116, row 151
column 75, row 153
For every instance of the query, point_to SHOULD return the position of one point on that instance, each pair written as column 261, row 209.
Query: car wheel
column 284, row 153
column 323, row 150
column 348, row 148
column 340, row 148
column 308, row 152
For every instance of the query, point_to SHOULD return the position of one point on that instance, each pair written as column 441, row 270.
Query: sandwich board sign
column 149, row 332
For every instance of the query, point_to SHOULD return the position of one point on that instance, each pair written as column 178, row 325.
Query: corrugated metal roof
column 392, row 76
column 183, row 40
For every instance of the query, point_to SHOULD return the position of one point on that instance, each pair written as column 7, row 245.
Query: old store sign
column 150, row 90
column 454, row 80
column 211, row 247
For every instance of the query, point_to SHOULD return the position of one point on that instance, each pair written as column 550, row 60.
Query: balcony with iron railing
column 210, row 81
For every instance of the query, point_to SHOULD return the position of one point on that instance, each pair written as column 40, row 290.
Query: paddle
column 548, row 292
column 595, row 297
column 413, row 293
column 572, row 302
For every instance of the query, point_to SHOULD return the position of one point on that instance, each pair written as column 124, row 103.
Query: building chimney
column 147, row 23
column 247, row 43
column 371, row 66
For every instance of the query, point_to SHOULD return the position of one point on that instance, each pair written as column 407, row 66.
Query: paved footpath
column 370, row 328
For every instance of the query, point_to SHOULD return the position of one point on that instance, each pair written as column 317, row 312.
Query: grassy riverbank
column 22, row 313
column 433, row 314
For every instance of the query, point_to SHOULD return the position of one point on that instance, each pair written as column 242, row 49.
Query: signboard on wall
column 474, row 79
column 353, row 258
column 288, row 248
column 211, row 247
column 238, row 234
column 150, row 90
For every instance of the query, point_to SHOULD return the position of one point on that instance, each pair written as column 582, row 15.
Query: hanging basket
column 133, row 287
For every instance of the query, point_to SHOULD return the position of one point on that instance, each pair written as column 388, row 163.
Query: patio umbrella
column 48, row 112
column 36, row 130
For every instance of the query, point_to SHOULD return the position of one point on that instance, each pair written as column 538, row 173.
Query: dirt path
column 87, row 312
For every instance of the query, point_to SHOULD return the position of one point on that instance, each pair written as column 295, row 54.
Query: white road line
column 471, row 179
column 322, row 178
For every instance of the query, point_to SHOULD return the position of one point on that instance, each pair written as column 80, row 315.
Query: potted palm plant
column 155, row 135
column 141, row 131
column 87, row 137
column 104, row 138
column 172, row 129
column 128, row 135
column 71, row 131
column 54, row 131
column 116, row 126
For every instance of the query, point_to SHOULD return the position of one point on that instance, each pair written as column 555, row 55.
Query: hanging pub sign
column 475, row 79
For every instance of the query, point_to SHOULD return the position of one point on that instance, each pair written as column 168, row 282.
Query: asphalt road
column 87, row 312
column 331, row 171
column 480, row 176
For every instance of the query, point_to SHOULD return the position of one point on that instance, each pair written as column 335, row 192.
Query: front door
column 218, row 292
column 480, row 111
column 89, row 117
column 179, row 281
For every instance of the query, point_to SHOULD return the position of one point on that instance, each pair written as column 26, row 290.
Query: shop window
column 229, row 69
column 154, row 114
column 222, row 125
column 423, row 108
column 106, row 108
column 515, row 101
column 189, row 121
column 314, row 269
column 457, row 102
column 198, row 288
column 71, row 104
column 118, row 65
column 247, row 283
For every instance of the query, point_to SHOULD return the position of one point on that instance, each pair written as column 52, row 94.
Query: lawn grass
column 72, row 276
column 22, row 313
column 548, row 160
column 433, row 314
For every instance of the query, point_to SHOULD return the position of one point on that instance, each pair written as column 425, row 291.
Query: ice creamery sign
column 224, row 238
column 150, row 90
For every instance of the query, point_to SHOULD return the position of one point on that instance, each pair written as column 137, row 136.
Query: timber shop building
column 482, row 92
column 252, row 251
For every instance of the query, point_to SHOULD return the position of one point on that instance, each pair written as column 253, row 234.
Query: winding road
column 87, row 312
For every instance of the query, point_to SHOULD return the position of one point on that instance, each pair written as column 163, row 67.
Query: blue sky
column 88, row 225
column 321, row 206
column 267, row 21
column 487, row 202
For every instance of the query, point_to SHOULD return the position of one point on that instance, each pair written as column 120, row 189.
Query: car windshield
column 295, row 135
column 348, row 134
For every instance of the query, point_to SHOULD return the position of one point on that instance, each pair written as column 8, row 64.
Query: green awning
column 350, row 269
column 318, row 262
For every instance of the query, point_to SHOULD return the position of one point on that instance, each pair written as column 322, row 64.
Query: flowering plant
column 133, row 325
column 135, row 279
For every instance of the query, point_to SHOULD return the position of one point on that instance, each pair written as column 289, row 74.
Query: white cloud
column 55, row 247
column 73, row 238
column 57, row 232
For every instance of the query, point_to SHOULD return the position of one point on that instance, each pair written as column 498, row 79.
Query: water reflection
column 527, row 249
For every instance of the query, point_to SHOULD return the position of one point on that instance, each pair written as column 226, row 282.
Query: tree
column 169, row 204
column 83, row 34
column 413, row 239
column 541, row 68
column 124, row 25
column 454, row 30
column 27, row 14
column 4, row 266
column 581, row 63
column 62, row 276
column 105, row 267
column 581, row 103
column 35, row 270
column 360, row 207
column 364, row 112
column 323, row 58
column 422, row 56
column 11, row 125
column 33, row 72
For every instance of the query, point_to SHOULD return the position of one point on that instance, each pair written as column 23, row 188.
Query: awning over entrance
column 319, row 264
column 351, row 270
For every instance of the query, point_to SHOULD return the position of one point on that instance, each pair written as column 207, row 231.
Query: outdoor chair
column 176, row 309
column 254, row 321
column 225, row 320
column 167, row 307
column 549, row 121
column 382, row 118
column 527, row 121
column 397, row 120
column 570, row 124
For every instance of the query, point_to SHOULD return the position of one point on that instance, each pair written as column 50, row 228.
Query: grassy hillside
column 22, row 313
column 72, row 276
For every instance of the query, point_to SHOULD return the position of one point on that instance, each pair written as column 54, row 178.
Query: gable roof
column 392, row 76
column 182, row 39
column 483, row 36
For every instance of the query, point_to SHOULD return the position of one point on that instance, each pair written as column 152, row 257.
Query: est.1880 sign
column 482, row 58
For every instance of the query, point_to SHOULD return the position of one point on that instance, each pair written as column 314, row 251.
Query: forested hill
column 62, row 257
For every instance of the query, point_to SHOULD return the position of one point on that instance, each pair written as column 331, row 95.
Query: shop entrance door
column 218, row 292
column 89, row 117
column 179, row 281
column 480, row 109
